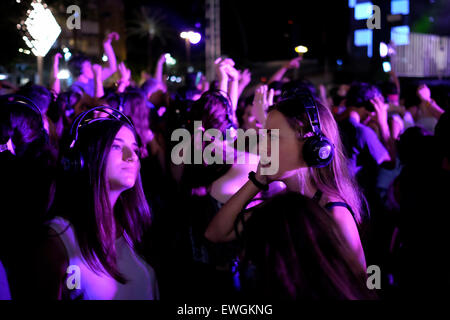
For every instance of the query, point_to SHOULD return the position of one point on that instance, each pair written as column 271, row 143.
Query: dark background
column 252, row 31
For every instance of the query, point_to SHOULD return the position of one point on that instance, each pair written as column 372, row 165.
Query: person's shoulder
column 53, row 248
column 365, row 132
column 77, row 87
column 57, row 223
column 347, row 125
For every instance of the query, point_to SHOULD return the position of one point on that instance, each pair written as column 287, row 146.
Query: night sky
column 268, row 30
column 252, row 31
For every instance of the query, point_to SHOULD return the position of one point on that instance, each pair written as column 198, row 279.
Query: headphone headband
column 318, row 151
column 311, row 110
column 73, row 161
column 17, row 98
column 77, row 123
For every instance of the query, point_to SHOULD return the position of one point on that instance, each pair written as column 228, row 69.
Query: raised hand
column 294, row 63
column 261, row 102
column 162, row 59
column 263, row 97
column 56, row 58
column 97, row 69
column 221, row 66
column 111, row 36
column 233, row 74
column 429, row 107
column 125, row 73
column 424, row 93
column 245, row 76
column 381, row 110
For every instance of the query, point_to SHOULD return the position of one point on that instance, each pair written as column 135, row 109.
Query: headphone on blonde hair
column 73, row 161
column 318, row 150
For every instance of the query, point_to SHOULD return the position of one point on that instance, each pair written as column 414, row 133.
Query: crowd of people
column 94, row 207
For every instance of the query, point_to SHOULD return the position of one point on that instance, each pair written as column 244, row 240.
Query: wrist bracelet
column 252, row 178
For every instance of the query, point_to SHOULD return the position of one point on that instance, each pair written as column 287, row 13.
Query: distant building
column 98, row 18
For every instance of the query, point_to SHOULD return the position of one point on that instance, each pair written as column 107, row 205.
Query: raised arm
column 98, row 81
column 244, row 79
column 262, row 100
column 221, row 227
column 111, row 67
column 55, row 84
column 430, row 106
column 395, row 80
column 233, row 87
column 381, row 110
column 159, row 68
column 221, row 75
column 228, row 78
column 294, row 63
column 125, row 75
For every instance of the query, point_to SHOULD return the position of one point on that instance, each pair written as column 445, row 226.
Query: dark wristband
column 252, row 178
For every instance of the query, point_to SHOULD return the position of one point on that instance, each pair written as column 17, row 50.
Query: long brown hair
column 334, row 179
column 84, row 201
column 297, row 251
column 134, row 107
column 213, row 110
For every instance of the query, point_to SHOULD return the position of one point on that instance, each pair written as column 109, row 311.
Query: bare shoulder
column 342, row 215
column 345, row 222
column 53, row 250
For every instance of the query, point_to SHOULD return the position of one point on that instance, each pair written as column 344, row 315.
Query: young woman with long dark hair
column 101, row 215
column 27, row 163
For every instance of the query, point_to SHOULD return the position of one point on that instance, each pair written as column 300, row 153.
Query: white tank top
column 141, row 280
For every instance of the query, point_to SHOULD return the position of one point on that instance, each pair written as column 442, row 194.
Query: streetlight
column 41, row 31
column 190, row 37
column 301, row 50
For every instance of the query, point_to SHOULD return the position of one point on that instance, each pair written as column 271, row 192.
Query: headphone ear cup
column 73, row 161
column 318, row 151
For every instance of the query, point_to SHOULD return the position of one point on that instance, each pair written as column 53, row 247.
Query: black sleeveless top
column 330, row 205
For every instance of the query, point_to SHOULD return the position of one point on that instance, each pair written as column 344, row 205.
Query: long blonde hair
column 334, row 179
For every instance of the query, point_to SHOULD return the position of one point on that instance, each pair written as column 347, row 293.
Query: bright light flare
column 170, row 61
column 193, row 37
column 42, row 28
column 301, row 49
column 383, row 49
column 63, row 74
